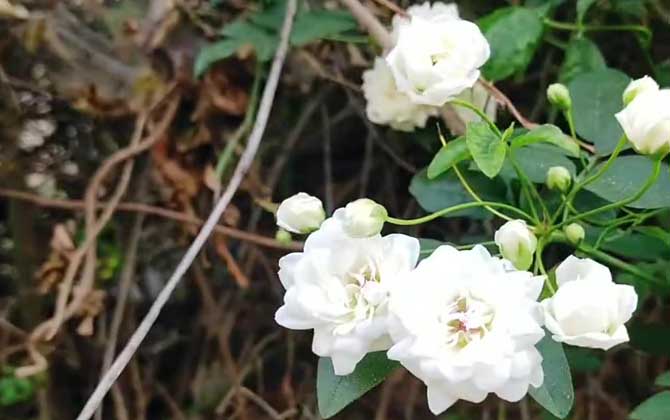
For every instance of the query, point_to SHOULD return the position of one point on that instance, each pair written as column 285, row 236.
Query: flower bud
column 364, row 218
column 559, row 96
column 516, row 243
column 638, row 86
column 300, row 213
column 282, row 236
column 574, row 232
column 558, row 178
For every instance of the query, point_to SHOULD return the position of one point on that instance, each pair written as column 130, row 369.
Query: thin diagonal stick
column 245, row 162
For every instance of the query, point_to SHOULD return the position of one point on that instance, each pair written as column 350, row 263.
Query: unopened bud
column 559, row 96
column 516, row 243
column 559, row 178
column 364, row 218
column 574, row 232
column 300, row 213
column 283, row 237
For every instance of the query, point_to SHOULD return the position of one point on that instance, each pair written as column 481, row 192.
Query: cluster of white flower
column 466, row 323
column 435, row 58
column 646, row 116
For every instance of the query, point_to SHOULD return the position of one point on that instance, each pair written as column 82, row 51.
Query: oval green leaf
column 455, row 151
column 556, row 394
column 626, row 177
column 486, row 148
column 596, row 97
column 655, row 408
column 548, row 133
column 514, row 34
column 336, row 392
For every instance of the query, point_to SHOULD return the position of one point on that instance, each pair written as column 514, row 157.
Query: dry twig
column 371, row 24
column 154, row 211
column 241, row 169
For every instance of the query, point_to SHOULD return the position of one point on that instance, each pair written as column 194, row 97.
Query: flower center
column 365, row 295
column 466, row 319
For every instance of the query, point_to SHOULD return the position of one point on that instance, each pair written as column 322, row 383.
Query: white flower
column 435, row 60
column 437, row 11
column 516, row 243
column 363, row 218
column 646, row 118
column 467, row 325
column 589, row 309
column 339, row 286
column 300, row 213
column 634, row 88
column 386, row 105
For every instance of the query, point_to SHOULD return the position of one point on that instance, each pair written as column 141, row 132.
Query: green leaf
column 548, row 133
column 636, row 245
column 655, row 408
column 263, row 41
column 556, row 394
column 583, row 6
column 535, row 160
column 455, row 151
column 261, row 32
column 596, row 97
column 514, row 34
column 626, row 177
column 446, row 191
column 663, row 379
column 581, row 56
column 15, row 390
column 487, row 149
column 583, row 359
column 212, row 53
column 336, row 392
column 319, row 24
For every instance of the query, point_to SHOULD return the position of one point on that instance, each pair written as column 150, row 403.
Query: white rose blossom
column 516, row 243
column 589, row 309
column 339, row 286
column 646, row 118
column 435, row 59
column 300, row 213
column 466, row 324
column 388, row 106
column 436, row 11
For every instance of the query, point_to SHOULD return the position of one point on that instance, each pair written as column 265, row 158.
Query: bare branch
column 245, row 162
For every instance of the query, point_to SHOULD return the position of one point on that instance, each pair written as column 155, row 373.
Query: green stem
column 539, row 265
column 565, row 26
column 578, row 185
column 573, row 132
column 620, row 264
column 487, row 204
column 529, row 186
column 621, row 203
column 476, row 110
column 474, row 195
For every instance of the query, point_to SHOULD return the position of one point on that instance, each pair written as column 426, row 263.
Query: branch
column 225, row 231
column 507, row 102
column 371, row 24
column 242, row 167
